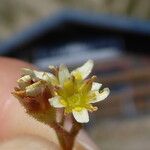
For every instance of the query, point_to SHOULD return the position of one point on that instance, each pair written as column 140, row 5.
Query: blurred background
column 114, row 33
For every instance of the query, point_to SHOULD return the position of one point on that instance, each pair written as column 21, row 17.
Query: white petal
column 33, row 73
column 96, row 86
column 34, row 89
column 63, row 74
column 41, row 75
column 26, row 71
column 49, row 78
column 55, row 102
column 46, row 77
column 81, row 116
column 85, row 69
column 36, row 74
column 25, row 78
column 24, row 81
column 101, row 96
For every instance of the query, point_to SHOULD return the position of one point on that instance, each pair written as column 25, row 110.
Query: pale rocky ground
column 15, row 15
column 125, row 134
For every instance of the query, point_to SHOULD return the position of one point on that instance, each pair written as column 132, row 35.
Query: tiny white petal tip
column 85, row 69
column 101, row 96
column 96, row 86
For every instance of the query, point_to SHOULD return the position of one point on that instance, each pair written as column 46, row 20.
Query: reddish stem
column 66, row 138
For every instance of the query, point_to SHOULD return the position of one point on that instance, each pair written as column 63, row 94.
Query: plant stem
column 66, row 138
column 75, row 128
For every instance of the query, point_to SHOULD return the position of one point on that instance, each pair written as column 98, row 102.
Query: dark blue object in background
column 94, row 30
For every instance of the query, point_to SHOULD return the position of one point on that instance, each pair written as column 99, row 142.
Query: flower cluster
column 73, row 91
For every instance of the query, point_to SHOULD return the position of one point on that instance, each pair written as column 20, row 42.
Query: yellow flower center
column 75, row 95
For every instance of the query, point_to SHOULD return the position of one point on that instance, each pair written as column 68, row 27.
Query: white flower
column 75, row 94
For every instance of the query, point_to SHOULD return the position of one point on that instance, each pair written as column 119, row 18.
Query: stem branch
column 66, row 138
